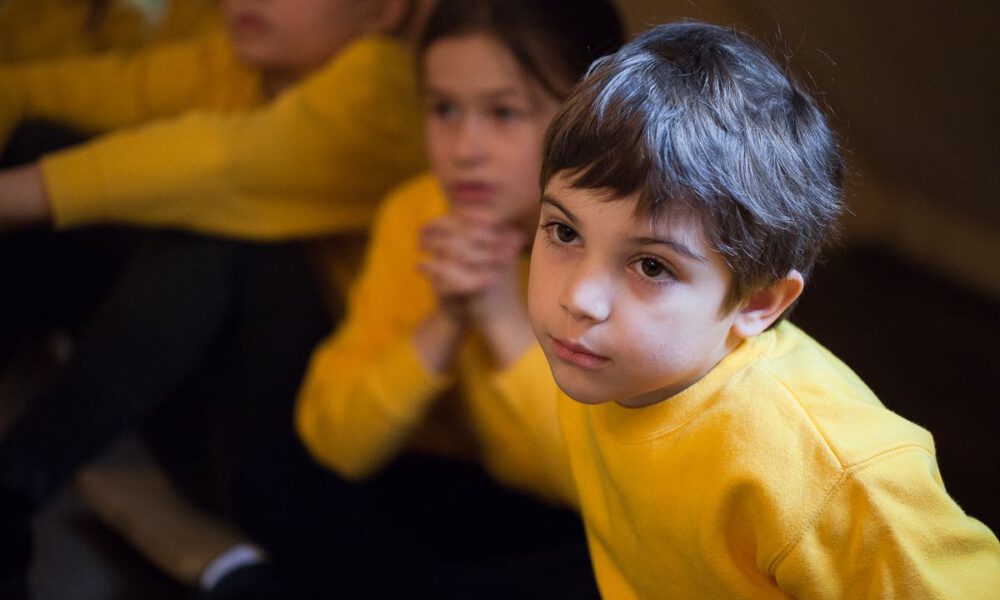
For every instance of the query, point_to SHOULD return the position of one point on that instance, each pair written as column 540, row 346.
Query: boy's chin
column 581, row 395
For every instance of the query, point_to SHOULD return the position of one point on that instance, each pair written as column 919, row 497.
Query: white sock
column 239, row 556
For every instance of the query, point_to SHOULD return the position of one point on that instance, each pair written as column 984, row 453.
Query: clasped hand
column 473, row 265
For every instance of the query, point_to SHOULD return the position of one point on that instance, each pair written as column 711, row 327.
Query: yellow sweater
column 366, row 395
column 37, row 29
column 778, row 475
column 213, row 159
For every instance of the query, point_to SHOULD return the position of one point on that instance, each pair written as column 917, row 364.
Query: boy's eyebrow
column 677, row 247
column 546, row 199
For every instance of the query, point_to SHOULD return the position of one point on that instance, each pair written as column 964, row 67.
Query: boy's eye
column 564, row 233
column 559, row 234
column 652, row 268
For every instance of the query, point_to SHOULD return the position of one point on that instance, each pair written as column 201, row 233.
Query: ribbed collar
column 667, row 416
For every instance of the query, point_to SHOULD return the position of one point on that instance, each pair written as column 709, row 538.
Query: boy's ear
column 766, row 305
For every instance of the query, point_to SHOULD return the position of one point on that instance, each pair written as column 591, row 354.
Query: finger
column 433, row 232
column 450, row 280
column 478, row 215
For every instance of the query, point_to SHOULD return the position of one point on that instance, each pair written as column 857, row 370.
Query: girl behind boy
column 418, row 380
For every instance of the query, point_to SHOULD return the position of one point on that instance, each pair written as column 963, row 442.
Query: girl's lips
column 473, row 192
column 577, row 354
column 248, row 23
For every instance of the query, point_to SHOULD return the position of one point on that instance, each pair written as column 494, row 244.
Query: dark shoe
column 15, row 545
column 252, row 582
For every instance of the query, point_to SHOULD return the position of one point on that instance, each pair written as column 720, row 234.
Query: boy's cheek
column 536, row 295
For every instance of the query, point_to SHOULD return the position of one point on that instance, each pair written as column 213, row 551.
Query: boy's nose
column 588, row 295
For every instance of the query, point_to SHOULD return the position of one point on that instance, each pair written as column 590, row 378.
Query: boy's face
column 626, row 310
column 295, row 36
column 485, row 124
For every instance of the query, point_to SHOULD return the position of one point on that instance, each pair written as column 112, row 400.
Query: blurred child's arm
column 22, row 196
column 314, row 161
column 889, row 530
column 99, row 92
column 476, row 271
column 366, row 389
column 518, row 424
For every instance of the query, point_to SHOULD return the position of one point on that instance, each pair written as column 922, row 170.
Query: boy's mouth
column 577, row 354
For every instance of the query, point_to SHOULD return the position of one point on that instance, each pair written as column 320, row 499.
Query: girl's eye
column 442, row 110
column 505, row 113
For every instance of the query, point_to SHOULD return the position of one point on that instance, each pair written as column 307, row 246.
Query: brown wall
column 913, row 87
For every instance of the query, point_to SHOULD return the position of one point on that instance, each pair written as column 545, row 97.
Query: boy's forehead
column 623, row 208
column 621, row 218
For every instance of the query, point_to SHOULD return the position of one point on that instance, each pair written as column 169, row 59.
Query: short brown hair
column 699, row 118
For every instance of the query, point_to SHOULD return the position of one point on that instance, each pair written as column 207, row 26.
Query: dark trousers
column 208, row 337
column 423, row 527
column 51, row 281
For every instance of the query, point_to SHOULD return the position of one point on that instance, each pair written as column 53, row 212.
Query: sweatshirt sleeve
column 888, row 529
column 314, row 161
column 365, row 389
column 104, row 91
column 518, row 425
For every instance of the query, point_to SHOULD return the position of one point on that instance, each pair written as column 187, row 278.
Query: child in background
column 311, row 163
column 717, row 451
column 281, row 144
column 436, row 349
column 242, row 162
column 39, row 29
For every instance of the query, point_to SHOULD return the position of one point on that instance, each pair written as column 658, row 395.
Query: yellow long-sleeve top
column 366, row 395
column 39, row 29
column 777, row 475
column 212, row 157
column 34, row 29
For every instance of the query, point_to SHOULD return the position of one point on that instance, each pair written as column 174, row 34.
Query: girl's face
column 486, row 120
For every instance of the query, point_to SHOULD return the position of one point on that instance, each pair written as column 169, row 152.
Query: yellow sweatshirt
column 213, row 159
column 40, row 29
column 366, row 396
column 777, row 475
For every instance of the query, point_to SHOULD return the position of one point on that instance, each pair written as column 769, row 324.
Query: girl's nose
column 470, row 140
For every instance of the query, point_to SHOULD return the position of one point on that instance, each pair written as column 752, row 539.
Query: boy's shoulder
column 795, row 381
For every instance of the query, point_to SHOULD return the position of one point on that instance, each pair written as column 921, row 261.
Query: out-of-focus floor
column 929, row 350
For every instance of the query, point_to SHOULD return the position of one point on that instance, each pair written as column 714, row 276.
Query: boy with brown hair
column 717, row 451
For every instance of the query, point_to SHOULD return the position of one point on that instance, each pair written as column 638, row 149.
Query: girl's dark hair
column 554, row 41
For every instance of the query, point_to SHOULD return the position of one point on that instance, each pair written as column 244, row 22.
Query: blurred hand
column 473, row 262
column 23, row 199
